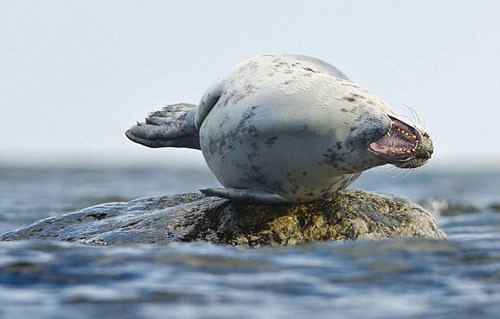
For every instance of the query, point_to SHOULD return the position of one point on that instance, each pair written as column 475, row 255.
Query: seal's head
column 404, row 145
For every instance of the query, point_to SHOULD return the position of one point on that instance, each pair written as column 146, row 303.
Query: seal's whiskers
column 415, row 118
column 399, row 172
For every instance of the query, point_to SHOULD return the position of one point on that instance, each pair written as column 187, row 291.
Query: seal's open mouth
column 399, row 144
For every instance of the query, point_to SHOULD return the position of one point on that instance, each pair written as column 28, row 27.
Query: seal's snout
column 424, row 152
column 400, row 142
column 404, row 146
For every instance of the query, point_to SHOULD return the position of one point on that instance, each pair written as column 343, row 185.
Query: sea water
column 397, row 278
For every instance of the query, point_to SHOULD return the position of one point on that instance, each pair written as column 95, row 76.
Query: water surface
column 411, row 278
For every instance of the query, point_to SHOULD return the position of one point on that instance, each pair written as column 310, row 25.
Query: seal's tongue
column 399, row 143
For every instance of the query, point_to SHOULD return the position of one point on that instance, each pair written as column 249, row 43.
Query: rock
column 346, row 215
column 444, row 207
column 494, row 207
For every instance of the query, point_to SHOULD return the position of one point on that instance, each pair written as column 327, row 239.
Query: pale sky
column 74, row 75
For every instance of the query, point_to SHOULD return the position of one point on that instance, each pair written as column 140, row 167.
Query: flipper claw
column 244, row 195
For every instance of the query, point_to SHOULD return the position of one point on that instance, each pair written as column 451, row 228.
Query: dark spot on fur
column 270, row 141
column 252, row 130
column 308, row 69
column 260, row 179
column 256, row 168
column 277, row 187
column 349, row 99
column 236, row 96
column 333, row 158
column 339, row 145
column 255, row 146
column 213, row 146
column 247, row 115
column 281, row 64
column 252, row 156
column 249, row 88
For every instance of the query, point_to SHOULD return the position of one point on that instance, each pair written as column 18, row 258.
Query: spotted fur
column 287, row 128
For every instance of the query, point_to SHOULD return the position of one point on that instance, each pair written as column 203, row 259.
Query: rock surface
column 347, row 215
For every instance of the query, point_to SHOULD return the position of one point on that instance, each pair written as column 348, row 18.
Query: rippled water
column 458, row 278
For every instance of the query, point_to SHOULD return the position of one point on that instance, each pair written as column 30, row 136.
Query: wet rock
column 347, row 215
column 444, row 207
column 495, row 207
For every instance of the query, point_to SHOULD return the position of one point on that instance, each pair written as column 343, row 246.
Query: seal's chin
column 399, row 145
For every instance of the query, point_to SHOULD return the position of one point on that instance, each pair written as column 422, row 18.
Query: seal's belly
column 277, row 145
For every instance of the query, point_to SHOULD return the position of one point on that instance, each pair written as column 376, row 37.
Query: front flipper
column 173, row 126
column 244, row 195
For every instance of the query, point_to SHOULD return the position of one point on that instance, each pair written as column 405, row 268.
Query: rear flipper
column 244, row 195
column 173, row 126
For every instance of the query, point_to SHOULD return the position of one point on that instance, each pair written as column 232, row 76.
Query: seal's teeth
column 408, row 152
column 414, row 137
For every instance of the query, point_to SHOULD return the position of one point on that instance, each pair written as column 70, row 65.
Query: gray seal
column 286, row 128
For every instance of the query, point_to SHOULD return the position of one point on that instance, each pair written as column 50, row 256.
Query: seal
column 283, row 128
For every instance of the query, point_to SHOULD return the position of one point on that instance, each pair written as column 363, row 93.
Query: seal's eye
column 399, row 144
